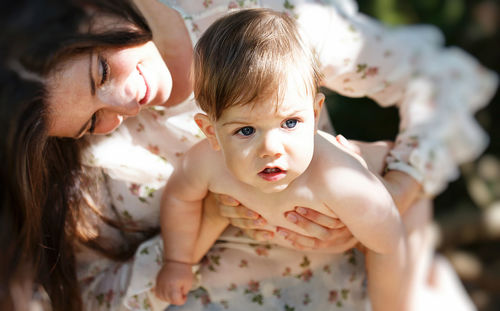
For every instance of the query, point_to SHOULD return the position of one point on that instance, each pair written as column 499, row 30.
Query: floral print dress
column 437, row 91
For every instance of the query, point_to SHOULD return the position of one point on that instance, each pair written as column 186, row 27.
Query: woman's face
column 94, row 93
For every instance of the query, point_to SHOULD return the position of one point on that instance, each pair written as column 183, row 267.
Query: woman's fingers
column 350, row 146
column 259, row 235
column 227, row 200
column 338, row 237
column 323, row 232
column 237, row 212
column 298, row 241
column 318, row 218
column 340, row 240
column 310, row 227
column 247, row 220
column 242, row 223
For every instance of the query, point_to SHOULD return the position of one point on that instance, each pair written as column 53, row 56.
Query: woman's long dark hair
column 41, row 175
column 22, row 173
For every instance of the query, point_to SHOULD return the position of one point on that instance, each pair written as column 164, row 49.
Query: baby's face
column 268, row 145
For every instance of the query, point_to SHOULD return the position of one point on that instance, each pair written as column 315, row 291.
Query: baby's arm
column 361, row 201
column 377, row 225
column 212, row 226
column 356, row 195
column 180, row 216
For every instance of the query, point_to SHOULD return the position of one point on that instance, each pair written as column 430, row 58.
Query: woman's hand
column 239, row 216
column 329, row 233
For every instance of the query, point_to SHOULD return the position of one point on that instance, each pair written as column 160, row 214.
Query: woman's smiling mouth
column 144, row 99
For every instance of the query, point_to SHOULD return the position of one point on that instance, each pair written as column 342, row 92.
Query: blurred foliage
column 468, row 212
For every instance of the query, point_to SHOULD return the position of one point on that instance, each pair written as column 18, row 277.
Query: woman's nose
column 120, row 98
column 271, row 145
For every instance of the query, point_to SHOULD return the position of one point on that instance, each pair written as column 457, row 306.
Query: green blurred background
column 467, row 214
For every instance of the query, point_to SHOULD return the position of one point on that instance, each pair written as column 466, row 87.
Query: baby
column 257, row 82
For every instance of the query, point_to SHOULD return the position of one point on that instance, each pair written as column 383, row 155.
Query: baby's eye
column 246, row 131
column 290, row 123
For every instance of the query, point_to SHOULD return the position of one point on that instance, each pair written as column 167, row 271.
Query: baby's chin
column 272, row 187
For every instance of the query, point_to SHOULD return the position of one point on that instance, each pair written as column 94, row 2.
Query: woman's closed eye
column 245, row 131
column 104, row 70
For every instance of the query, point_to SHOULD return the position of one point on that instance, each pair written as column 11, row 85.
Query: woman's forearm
column 403, row 188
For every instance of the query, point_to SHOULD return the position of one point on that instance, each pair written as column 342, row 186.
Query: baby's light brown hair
column 246, row 56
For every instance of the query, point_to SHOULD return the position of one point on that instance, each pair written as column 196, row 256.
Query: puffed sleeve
column 437, row 89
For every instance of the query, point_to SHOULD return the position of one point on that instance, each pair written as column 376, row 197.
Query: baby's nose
column 271, row 146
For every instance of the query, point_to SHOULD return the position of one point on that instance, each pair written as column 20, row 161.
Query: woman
column 113, row 71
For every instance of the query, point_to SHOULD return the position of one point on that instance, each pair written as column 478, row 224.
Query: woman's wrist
column 403, row 188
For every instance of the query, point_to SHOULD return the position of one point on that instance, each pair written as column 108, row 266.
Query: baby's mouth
column 271, row 170
column 272, row 173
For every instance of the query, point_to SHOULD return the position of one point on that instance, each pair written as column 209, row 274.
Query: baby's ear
column 318, row 105
column 207, row 127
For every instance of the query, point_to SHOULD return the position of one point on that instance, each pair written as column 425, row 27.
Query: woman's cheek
column 107, row 123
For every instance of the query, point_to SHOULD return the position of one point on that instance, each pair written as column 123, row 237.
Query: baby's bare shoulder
column 338, row 175
column 329, row 153
column 336, row 169
column 202, row 155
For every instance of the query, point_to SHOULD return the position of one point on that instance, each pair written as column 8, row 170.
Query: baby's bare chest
column 273, row 207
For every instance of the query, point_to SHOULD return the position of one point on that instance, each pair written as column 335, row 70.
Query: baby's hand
column 174, row 282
